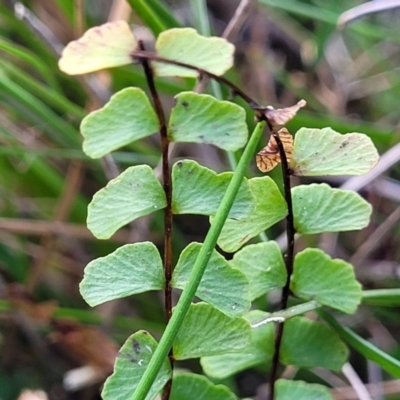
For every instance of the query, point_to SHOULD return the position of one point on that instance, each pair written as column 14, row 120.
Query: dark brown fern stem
column 140, row 55
column 289, row 258
column 166, row 174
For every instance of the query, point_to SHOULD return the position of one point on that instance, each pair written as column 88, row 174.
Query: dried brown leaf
column 268, row 158
column 282, row 116
column 287, row 141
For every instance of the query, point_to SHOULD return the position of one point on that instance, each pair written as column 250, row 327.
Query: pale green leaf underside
column 199, row 190
column 263, row 265
column 133, row 268
column 187, row 386
column 132, row 360
column 105, row 46
column 319, row 208
column 201, row 118
column 307, row 343
column 212, row 54
column 258, row 352
column 127, row 117
column 299, row 390
column 134, row 193
column 330, row 282
column 207, row 331
column 270, row 208
column 319, row 152
column 222, row 286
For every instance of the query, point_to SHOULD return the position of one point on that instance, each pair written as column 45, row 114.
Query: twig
column 38, row 27
column 387, row 160
column 168, row 209
column 79, row 23
column 356, row 183
column 348, row 392
column 48, row 241
column 141, row 55
column 361, row 10
column 110, row 167
column 239, row 18
column 356, row 382
column 120, row 9
column 59, row 228
column 375, row 238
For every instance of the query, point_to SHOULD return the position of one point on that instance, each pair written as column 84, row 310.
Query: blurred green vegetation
column 288, row 49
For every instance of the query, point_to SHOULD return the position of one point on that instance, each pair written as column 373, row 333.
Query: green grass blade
column 26, row 56
column 382, row 297
column 318, row 13
column 154, row 15
column 198, row 269
column 368, row 350
column 91, row 317
column 304, row 10
column 52, row 97
column 164, row 13
column 21, row 33
column 49, row 122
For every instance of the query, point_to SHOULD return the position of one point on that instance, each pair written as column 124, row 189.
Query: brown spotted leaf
column 287, row 141
column 268, row 158
column 282, row 116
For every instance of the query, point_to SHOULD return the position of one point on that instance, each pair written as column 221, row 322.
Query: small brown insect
column 268, row 158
